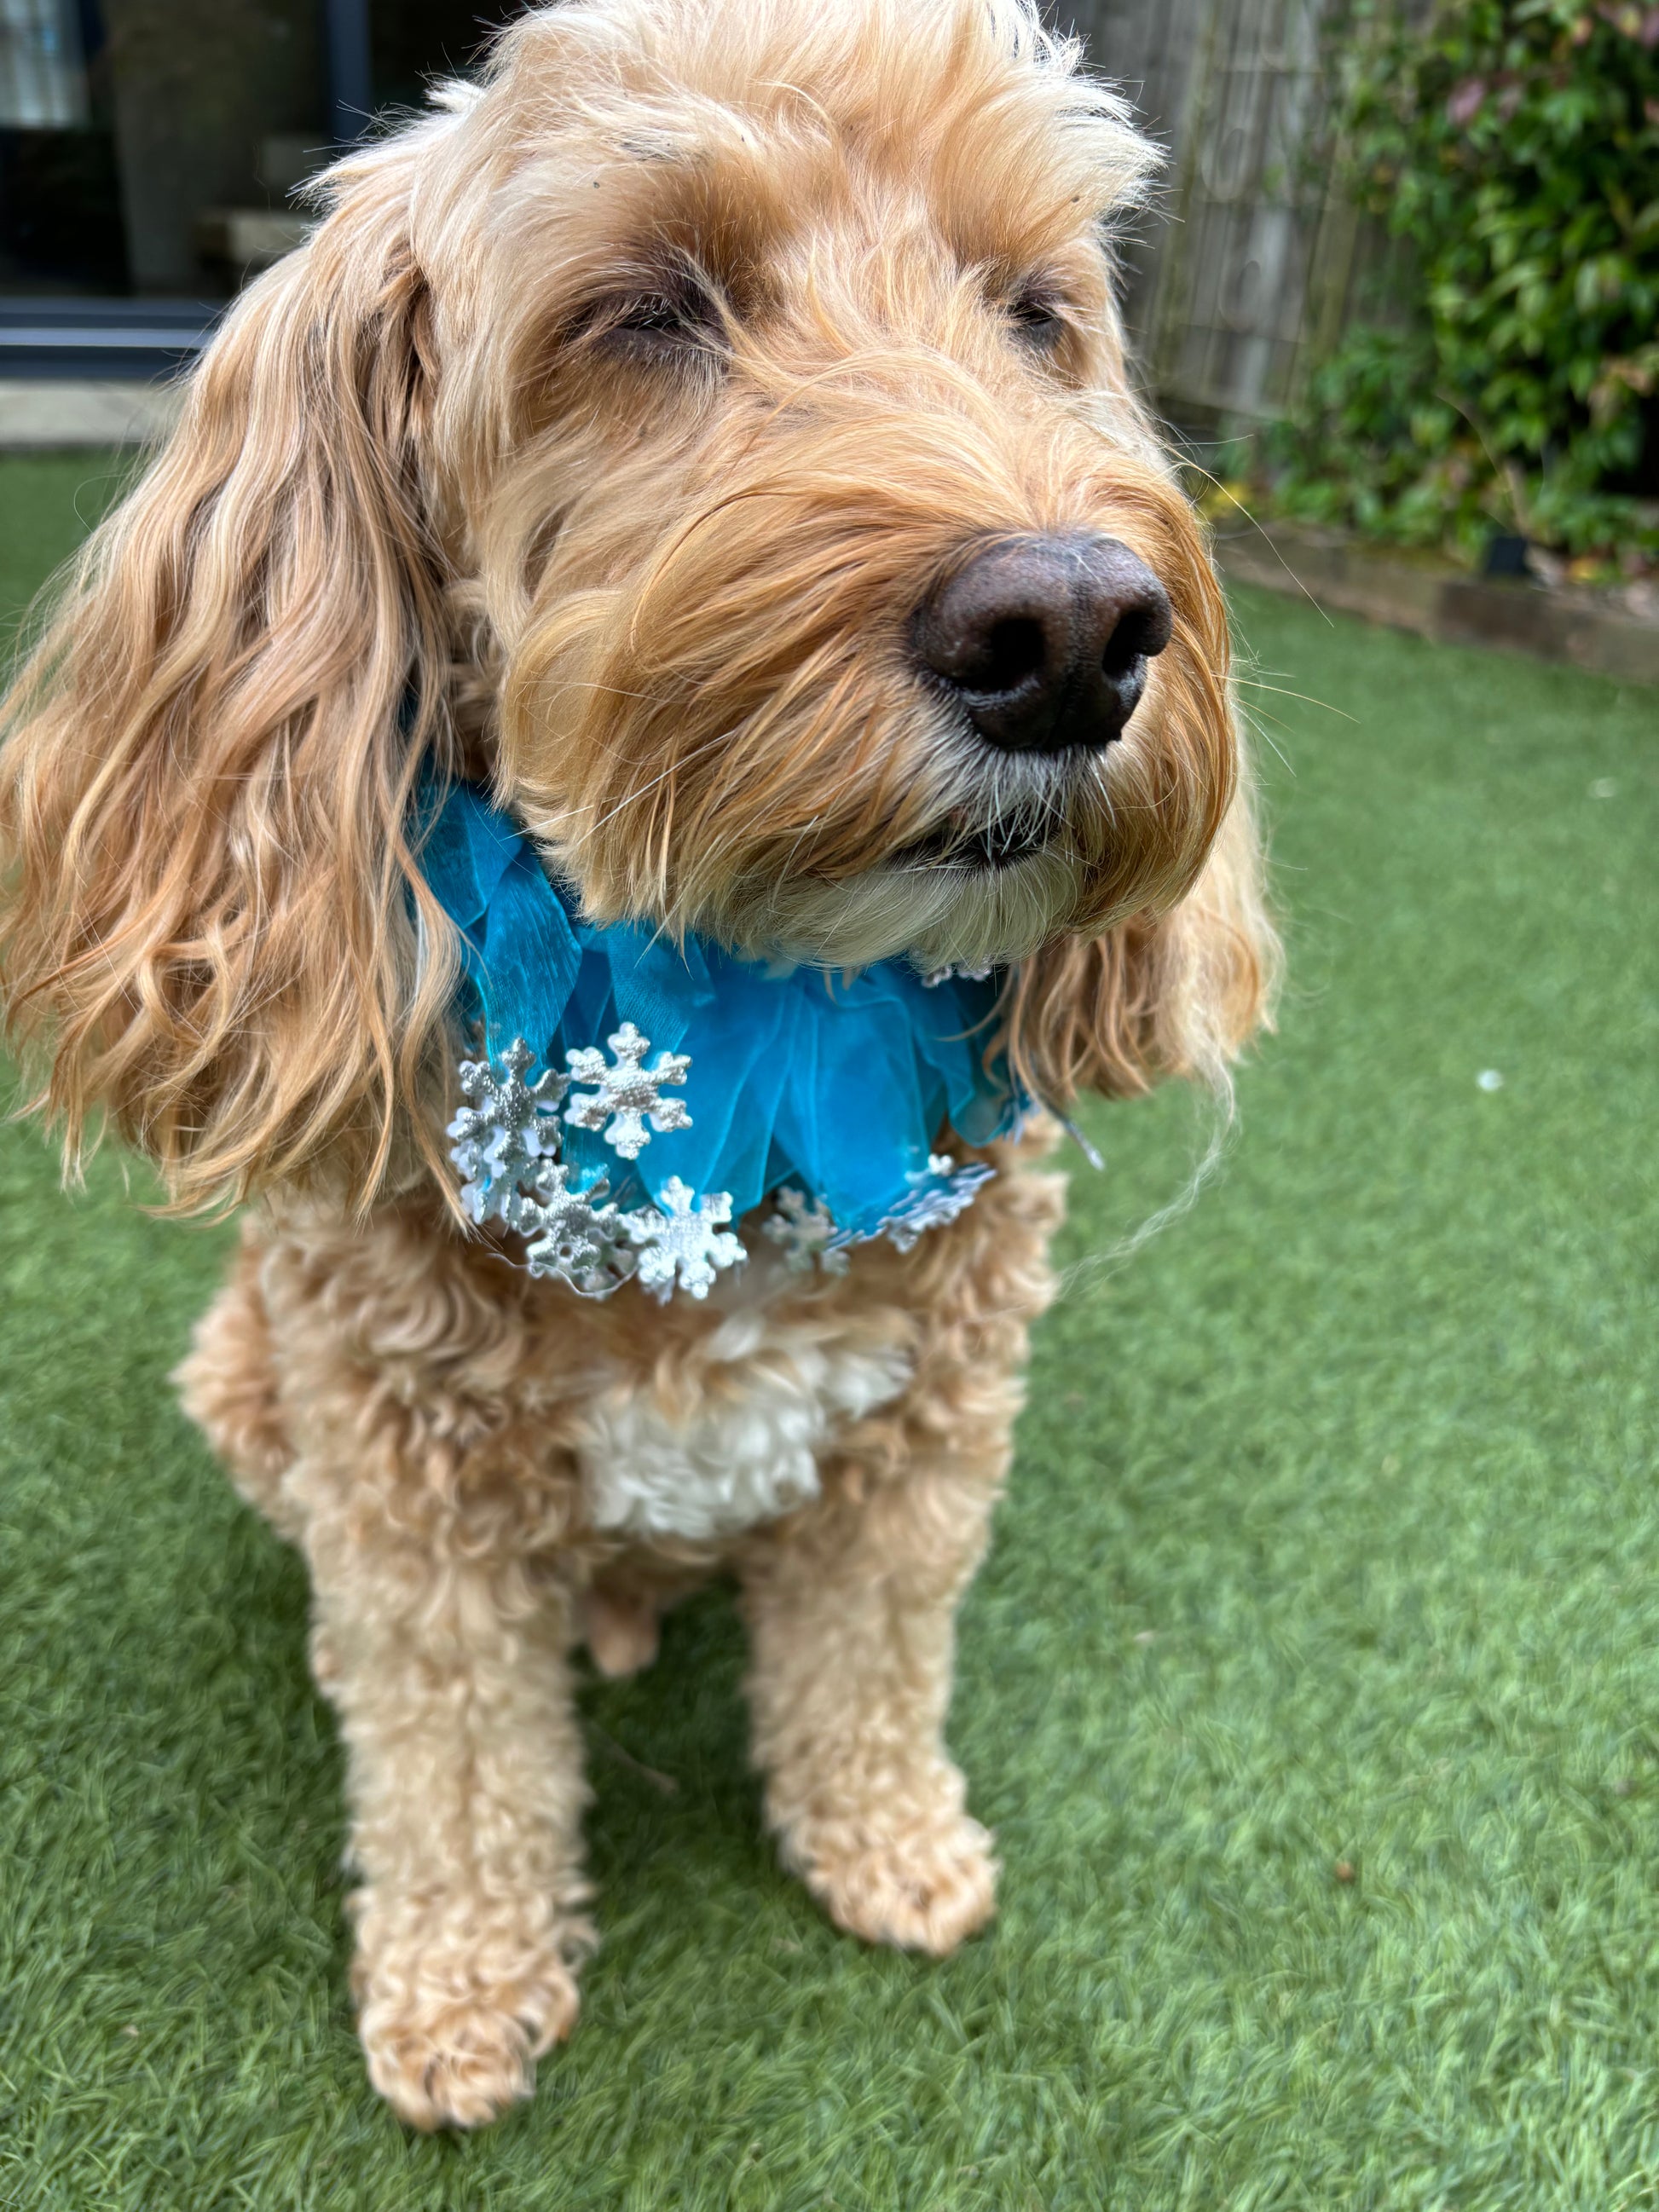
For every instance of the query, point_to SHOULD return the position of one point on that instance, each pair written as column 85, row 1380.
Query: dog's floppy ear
column 1176, row 993
column 212, row 933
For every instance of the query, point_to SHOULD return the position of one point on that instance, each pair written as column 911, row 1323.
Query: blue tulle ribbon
column 839, row 1086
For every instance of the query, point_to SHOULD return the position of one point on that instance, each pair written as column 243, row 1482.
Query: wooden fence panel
column 1245, row 271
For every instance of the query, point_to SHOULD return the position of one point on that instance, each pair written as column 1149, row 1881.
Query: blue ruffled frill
column 839, row 1085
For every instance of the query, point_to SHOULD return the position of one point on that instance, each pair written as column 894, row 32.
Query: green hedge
column 1512, row 147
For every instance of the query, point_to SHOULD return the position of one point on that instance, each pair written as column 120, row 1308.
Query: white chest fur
column 739, row 1443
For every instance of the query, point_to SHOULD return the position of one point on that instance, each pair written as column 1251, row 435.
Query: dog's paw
column 442, row 2059
column 622, row 1638
column 924, row 1891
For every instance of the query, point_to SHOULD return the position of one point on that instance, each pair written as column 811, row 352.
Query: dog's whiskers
column 1307, row 698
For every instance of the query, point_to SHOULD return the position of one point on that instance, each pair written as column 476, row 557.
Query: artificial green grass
column 1330, row 1548
column 47, row 502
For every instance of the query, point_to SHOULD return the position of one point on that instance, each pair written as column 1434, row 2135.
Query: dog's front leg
column 448, row 1669
column 851, row 1613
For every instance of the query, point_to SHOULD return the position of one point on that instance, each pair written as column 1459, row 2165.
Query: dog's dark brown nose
column 1045, row 641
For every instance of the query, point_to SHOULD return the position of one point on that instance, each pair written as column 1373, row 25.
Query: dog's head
column 713, row 428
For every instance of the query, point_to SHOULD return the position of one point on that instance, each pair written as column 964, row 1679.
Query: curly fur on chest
column 745, row 1448
column 479, row 1407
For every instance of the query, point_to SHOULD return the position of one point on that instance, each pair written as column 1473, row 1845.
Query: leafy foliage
column 1512, row 146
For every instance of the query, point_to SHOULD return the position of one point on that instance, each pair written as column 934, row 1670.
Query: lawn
column 1312, row 1687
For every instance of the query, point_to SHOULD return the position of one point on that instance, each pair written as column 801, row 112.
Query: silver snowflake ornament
column 938, row 1192
column 627, row 1096
column 570, row 1235
column 504, row 1129
column 684, row 1242
column 804, row 1232
column 968, row 971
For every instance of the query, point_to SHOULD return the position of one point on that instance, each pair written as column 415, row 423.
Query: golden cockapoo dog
column 710, row 429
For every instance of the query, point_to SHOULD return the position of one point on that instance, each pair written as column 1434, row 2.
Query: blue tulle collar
column 682, row 1088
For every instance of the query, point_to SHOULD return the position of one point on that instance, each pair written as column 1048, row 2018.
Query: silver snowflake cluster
column 627, row 1096
column 969, row 972
column 684, row 1244
column 938, row 1192
column 506, row 1144
column 507, row 1147
column 803, row 1231
column 505, row 1128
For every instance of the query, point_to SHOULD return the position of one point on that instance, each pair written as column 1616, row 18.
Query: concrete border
column 38, row 413
column 1576, row 625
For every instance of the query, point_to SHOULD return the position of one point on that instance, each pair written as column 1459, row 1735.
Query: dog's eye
column 674, row 318
column 658, row 316
column 1036, row 320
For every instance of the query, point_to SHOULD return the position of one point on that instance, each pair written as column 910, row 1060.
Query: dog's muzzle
column 1044, row 643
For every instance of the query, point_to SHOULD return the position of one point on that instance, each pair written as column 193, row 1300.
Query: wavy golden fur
column 601, row 442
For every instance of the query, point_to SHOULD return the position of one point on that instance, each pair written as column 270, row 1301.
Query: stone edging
column 1441, row 602
column 38, row 413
